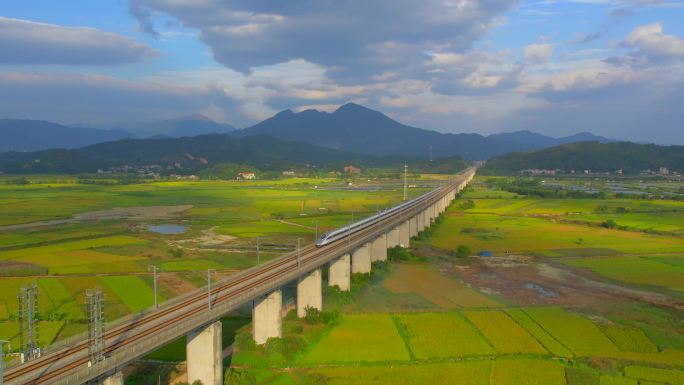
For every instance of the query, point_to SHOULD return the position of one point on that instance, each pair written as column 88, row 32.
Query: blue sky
column 612, row 67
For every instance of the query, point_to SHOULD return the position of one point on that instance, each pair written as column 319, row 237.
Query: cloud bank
column 28, row 42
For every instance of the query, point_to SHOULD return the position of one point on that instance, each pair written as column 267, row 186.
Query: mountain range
column 356, row 128
column 351, row 128
column 186, row 153
column 184, row 126
column 32, row 135
column 632, row 158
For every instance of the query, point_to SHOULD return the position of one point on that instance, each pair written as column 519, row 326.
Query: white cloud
column 538, row 53
column 651, row 40
column 28, row 42
column 352, row 40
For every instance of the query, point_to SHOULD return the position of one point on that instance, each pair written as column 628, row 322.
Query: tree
column 463, row 251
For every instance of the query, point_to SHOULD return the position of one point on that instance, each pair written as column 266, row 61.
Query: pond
column 167, row 229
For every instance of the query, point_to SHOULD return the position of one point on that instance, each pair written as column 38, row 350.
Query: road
column 140, row 334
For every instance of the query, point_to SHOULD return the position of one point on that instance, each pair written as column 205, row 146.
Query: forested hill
column 197, row 152
column 632, row 158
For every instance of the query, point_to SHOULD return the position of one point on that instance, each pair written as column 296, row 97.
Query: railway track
column 53, row 365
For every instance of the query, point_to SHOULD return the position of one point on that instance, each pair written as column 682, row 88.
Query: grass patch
column 577, row 333
column 444, row 292
column 47, row 332
column 635, row 270
column 60, row 298
column 358, row 338
column 443, row 335
column 132, row 291
column 550, row 343
column 458, row 373
column 504, row 334
column 629, row 339
column 544, row 236
column 664, row 376
column 190, row 265
column 120, row 240
column 528, row 372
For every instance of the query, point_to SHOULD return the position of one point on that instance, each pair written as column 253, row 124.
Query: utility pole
column 28, row 325
column 94, row 301
column 154, row 270
column 2, row 358
column 405, row 181
column 209, row 271
column 430, row 153
column 258, row 256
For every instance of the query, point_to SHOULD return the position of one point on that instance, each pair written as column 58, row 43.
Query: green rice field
column 639, row 270
column 113, row 253
column 367, row 337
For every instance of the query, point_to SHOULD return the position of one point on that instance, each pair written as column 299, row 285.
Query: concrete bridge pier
column 204, row 354
column 413, row 227
column 361, row 260
column 404, row 236
column 266, row 320
column 310, row 292
column 116, row 378
column 339, row 273
column 420, row 226
column 393, row 238
column 379, row 248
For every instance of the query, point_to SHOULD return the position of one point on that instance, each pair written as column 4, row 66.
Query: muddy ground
column 529, row 281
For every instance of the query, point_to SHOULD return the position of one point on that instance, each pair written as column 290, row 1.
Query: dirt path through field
column 295, row 224
column 142, row 213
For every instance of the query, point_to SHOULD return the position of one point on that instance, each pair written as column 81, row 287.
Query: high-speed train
column 340, row 233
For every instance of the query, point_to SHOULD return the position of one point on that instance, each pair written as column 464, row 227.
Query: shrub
column 463, row 251
column 609, row 224
column 245, row 342
column 314, row 316
column 235, row 376
column 398, row 253
column 287, row 346
column 297, row 329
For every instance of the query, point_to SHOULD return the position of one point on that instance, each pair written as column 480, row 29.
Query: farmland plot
column 528, row 372
column 575, row 332
column 629, row 339
column 504, row 334
column 665, row 376
column 458, row 373
column 546, row 339
column 443, row 335
column 358, row 338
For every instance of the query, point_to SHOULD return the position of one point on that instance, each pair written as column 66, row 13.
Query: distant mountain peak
column 282, row 113
column 354, row 108
column 197, row 116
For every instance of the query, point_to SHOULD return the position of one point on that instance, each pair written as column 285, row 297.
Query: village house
column 352, row 170
column 246, row 175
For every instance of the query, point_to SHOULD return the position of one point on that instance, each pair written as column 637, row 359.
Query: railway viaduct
column 197, row 315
